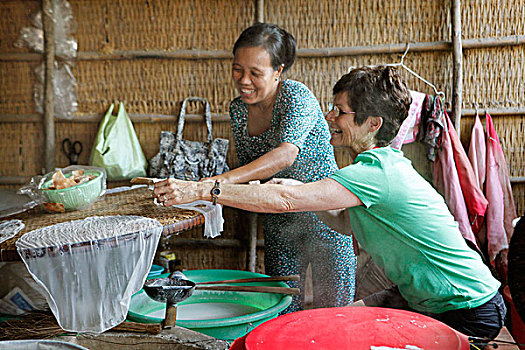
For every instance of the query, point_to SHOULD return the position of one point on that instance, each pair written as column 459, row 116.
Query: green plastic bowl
column 265, row 305
column 76, row 197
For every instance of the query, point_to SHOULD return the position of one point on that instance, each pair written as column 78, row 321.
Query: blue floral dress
column 293, row 240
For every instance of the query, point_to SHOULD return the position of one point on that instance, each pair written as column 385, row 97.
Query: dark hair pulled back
column 279, row 44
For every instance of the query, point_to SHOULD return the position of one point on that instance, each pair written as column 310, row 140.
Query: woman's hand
column 171, row 191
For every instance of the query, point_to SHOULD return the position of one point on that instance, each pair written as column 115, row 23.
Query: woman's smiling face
column 343, row 129
column 253, row 74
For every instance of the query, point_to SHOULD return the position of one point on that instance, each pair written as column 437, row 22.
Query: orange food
column 56, row 207
column 77, row 177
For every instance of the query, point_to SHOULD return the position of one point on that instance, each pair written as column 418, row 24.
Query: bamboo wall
column 493, row 76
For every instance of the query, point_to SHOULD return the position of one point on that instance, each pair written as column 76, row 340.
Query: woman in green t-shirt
column 396, row 215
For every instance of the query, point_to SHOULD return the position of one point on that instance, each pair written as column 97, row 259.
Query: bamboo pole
column 251, row 259
column 49, row 98
column 95, row 118
column 467, row 44
column 251, row 253
column 216, row 117
column 259, row 11
column 457, row 54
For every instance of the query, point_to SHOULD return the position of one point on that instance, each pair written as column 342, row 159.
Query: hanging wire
column 402, row 64
column 476, row 108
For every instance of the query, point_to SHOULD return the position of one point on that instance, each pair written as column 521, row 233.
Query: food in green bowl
column 75, row 190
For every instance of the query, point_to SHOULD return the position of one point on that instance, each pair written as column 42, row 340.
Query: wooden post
column 259, row 11
column 457, row 54
column 251, row 260
column 49, row 100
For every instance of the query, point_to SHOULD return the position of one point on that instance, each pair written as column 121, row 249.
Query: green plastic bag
column 117, row 148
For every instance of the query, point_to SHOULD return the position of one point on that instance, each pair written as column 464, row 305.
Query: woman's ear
column 375, row 123
column 279, row 71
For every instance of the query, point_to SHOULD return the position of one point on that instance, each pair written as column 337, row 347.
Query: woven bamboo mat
column 135, row 202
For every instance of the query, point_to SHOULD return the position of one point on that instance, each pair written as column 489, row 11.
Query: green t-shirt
column 408, row 230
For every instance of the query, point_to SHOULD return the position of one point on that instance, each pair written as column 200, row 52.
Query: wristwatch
column 215, row 192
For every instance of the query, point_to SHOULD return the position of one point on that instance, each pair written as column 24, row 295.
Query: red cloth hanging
column 474, row 197
column 509, row 209
column 496, row 236
column 446, row 181
column 477, row 152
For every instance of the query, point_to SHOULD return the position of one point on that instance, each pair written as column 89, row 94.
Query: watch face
column 216, row 191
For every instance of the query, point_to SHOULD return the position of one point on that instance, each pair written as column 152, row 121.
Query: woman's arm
column 337, row 219
column 322, row 195
column 261, row 168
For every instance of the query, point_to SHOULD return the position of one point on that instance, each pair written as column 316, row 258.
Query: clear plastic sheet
column 65, row 26
column 65, row 85
column 90, row 268
column 65, row 90
column 9, row 228
column 76, row 197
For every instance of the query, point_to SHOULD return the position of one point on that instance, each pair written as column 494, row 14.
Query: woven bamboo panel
column 15, row 15
column 147, row 133
column 153, row 85
column 492, row 18
column 83, row 132
column 518, row 191
column 16, row 87
column 21, row 149
column 211, row 258
column 160, row 25
column 510, row 131
column 320, row 74
column 494, row 77
column 328, row 23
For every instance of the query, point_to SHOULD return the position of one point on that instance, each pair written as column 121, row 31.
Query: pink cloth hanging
column 509, row 212
column 446, row 181
column 474, row 197
column 410, row 128
column 496, row 236
column 477, row 152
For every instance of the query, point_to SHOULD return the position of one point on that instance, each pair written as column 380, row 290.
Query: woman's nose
column 244, row 79
column 330, row 115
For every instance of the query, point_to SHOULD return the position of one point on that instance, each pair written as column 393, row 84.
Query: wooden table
column 137, row 202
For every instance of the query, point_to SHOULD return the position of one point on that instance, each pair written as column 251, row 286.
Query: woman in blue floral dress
column 280, row 132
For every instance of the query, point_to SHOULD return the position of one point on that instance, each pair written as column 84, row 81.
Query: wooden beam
column 216, row 117
column 219, row 242
column 259, row 11
column 457, row 57
column 381, row 49
column 49, row 98
column 95, row 118
column 494, row 111
column 251, row 259
column 136, row 54
column 14, row 180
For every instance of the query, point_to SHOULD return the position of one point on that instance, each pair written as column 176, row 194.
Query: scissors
column 72, row 150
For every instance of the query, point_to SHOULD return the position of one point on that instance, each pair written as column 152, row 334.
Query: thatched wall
column 493, row 76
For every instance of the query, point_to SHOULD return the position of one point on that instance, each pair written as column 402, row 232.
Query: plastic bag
column 80, row 196
column 117, row 148
column 90, row 268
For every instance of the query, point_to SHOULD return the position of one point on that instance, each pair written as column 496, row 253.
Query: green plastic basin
column 259, row 307
column 79, row 196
